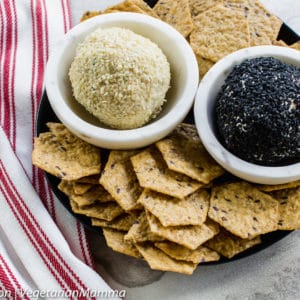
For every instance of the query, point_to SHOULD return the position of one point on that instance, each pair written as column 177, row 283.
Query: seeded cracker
column 158, row 260
column 243, row 210
column 171, row 211
column 199, row 6
column 186, row 154
column 119, row 179
column 295, row 46
column 96, row 194
column 204, row 65
column 93, row 179
column 199, row 255
column 289, row 208
column 153, row 174
column 276, row 187
column 189, row 236
column 81, row 188
column 218, row 32
column 106, row 211
column 122, row 223
column 263, row 25
column 64, row 155
column 177, row 13
column 230, row 245
column 66, row 187
column 115, row 240
column 140, row 231
column 89, row 14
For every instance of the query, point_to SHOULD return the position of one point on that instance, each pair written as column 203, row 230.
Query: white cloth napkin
column 43, row 249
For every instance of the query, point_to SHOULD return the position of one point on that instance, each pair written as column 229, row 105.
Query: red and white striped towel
column 42, row 247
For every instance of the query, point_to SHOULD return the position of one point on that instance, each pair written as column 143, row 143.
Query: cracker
column 199, row 255
column 204, row 65
column 158, row 260
column 145, row 7
column 199, row 6
column 122, row 223
column 218, row 32
column 171, row 211
column 243, row 210
column 89, row 14
column 153, row 174
column 64, row 155
column 81, row 188
column 189, row 236
column 187, row 155
column 119, row 179
column 289, row 208
column 96, row 194
column 125, row 6
column 176, row 13
column 66, row 187
column 276, row 187
column 295, row 46
column 263, row 25
column 115, row 240
column 140, row 231
column 230, row 245
column 106, row 211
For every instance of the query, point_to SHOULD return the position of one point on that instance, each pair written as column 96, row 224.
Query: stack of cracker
column 214, row 28
column 165, row 203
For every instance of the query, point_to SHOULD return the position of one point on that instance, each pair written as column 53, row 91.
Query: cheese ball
column 120, row 77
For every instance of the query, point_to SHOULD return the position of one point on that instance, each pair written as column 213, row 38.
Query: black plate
column 46, row 114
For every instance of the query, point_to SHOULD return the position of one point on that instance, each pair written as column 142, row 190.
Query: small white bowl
column 180, row 97
column 204, row 111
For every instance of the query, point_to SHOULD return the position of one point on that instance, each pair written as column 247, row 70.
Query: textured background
column 273, row 273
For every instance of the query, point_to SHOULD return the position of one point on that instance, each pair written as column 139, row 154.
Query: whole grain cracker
column 145, row 7
column 189, row 236
column 115, row 240
column 176, row 13
column 203, row 65
column 171, row 211
column 295, row 46
column 230, row 245
column 81, row 188
column 276, row 187
column 158, row 260
column 218, row 32
column 153, row 174
column 119, row 179
column 263, row 25
column 92, row 179
column 64, row 155
column 89, row 14
column 199, row 6
column 289, row 208
column 140, row 231
column 185, row 154
column 106, row 211
column 122, row 222
column 125, row 6
column 199, row 255
column 95, row 194
column 66, row 187
column 243, row 210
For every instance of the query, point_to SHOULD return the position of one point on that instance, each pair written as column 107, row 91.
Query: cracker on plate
column 199, row 6
column 204, row 65
column 171, row 211
column 218, row 32
column 289, row 208
column 230, row 245
column 153, row 174
column 186, row 154
column 119, row 179
column 81, row 188
column 158, row 260
column 199, row 255
column 189, row 236
column 140, row 231
column 276, row 187
column 106, row 211
column 64, row 155
column 121, row 223
column 243, row 210
column 263, row 25
column 115, row 240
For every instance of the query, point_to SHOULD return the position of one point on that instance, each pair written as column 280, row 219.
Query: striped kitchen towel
column 42, row 247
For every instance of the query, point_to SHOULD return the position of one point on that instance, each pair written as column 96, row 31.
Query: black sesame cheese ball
column 258, row 112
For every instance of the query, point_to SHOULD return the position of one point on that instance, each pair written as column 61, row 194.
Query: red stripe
column 2, row 53
column 13, row 278
column 69, row 14
column 64, row 15
column 81, row 242
column 34, row 227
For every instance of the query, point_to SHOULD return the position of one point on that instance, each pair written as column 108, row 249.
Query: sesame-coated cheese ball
column 120, row 77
